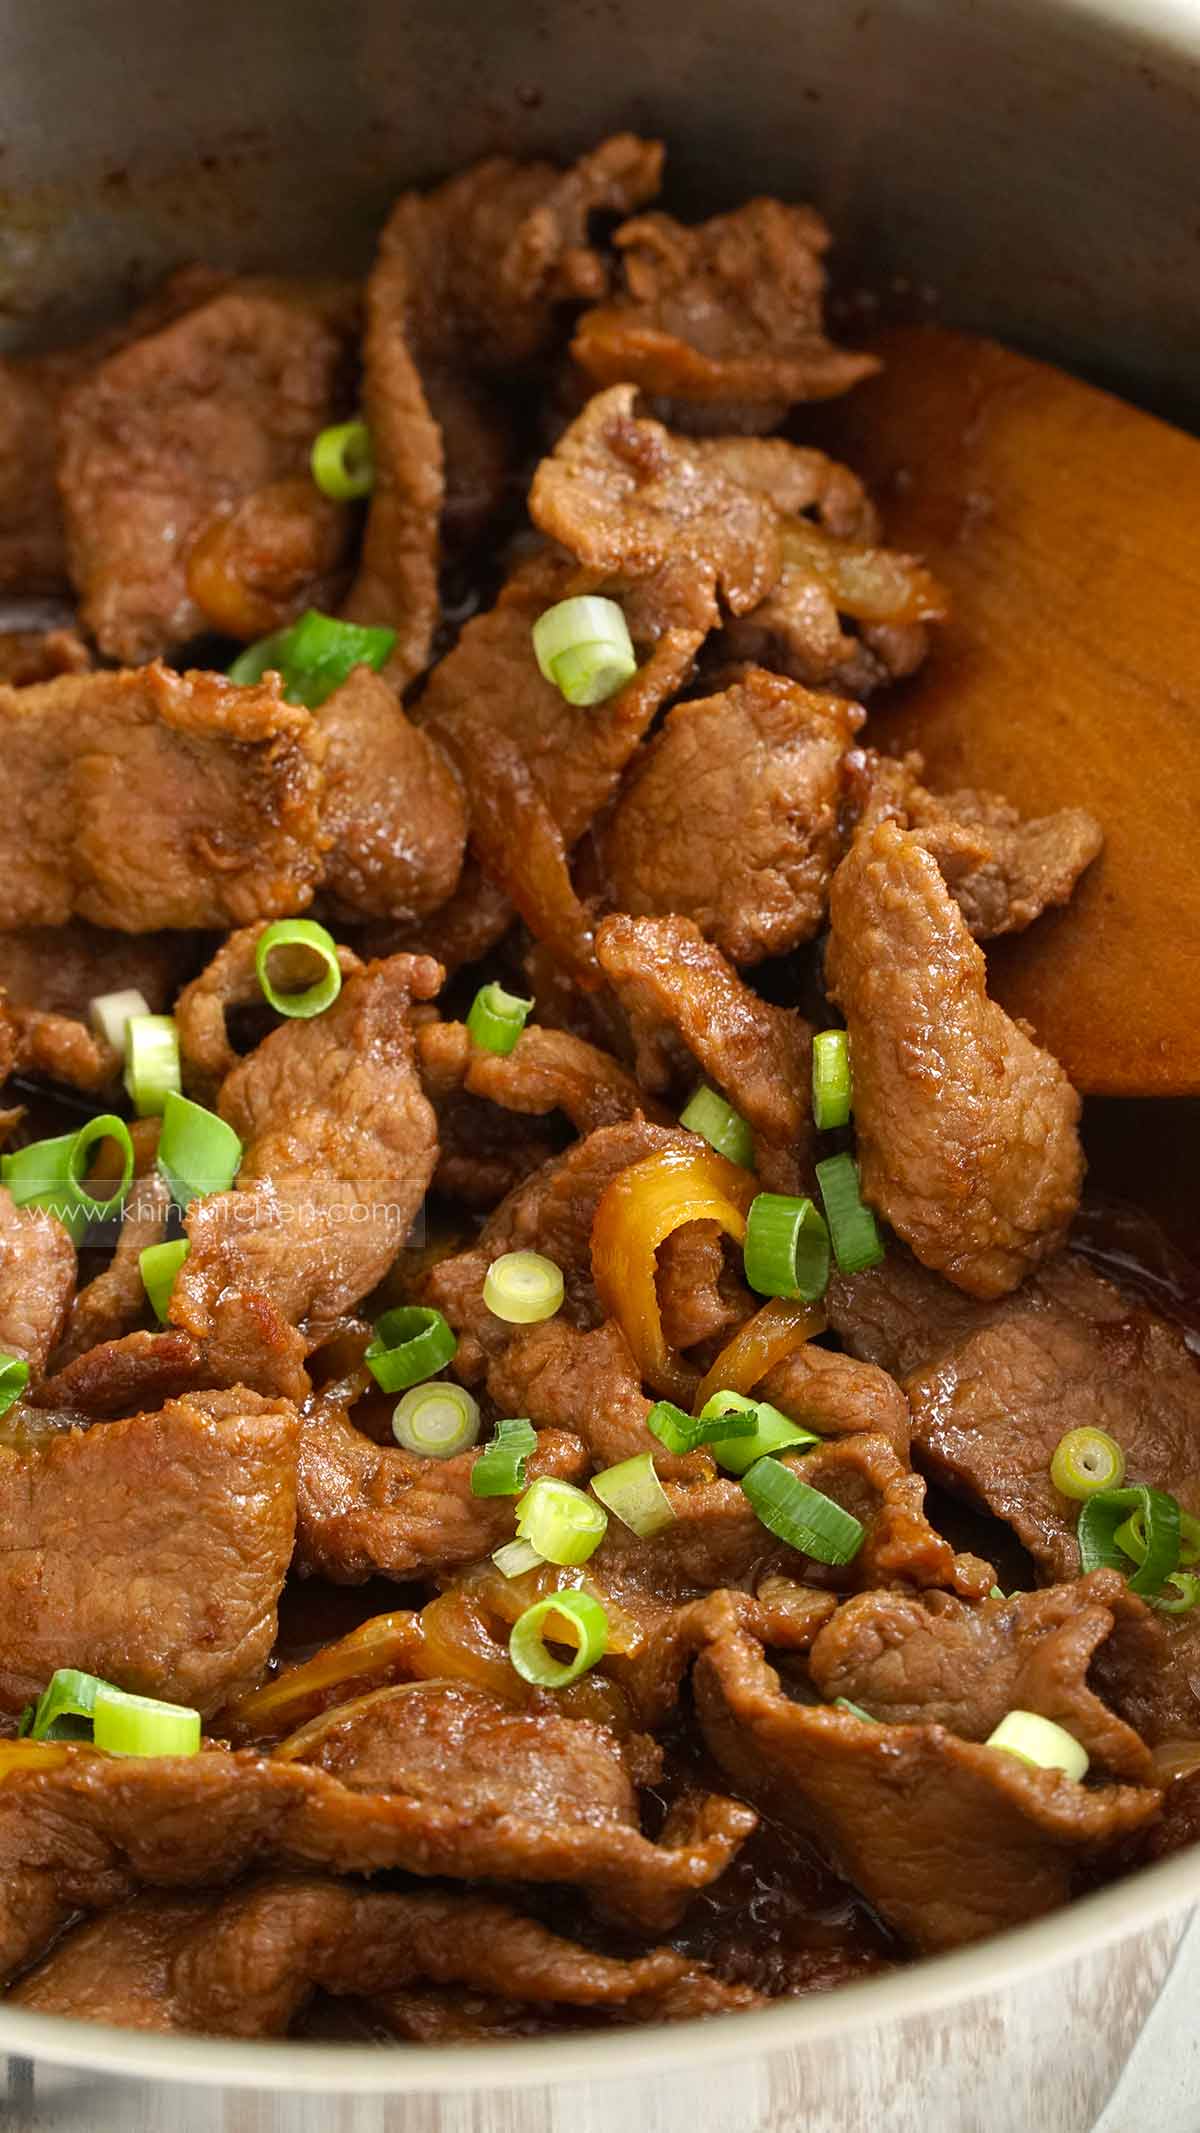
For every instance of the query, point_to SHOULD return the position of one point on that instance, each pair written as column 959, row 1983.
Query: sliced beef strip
column 838, row 1396
column 37, row 1282
column 259, row 564
column 727, row 315
column 698, row 1294
column 845, row 615
column 58, row 1048
column 730, row 816
column 150, row 1551
column 484, row 1153
column 900, row 1314
column 247, row 1964
column 339, row 1145
column 561, row 1377
column 29, row 655
column 967, row 1132
column 33, row 551
column 928, row 1659
column 60, row 970
column 678, row 989
column 170, row 434
column 83, row 1833
column 222, row 782
column 948, row 1839
column 114, row 1302
column 537, row 769
column 248, row 1344
column 231, row 981
column 1002, row 872
column 391, row 804
column 368, row 1509
column 547, row 1070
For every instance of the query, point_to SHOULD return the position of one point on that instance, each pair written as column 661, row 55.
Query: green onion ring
column 721, row 1126
column 831, row 1088
column 803, row 1517
column 1102, row 1518
column 343, row 464
column 500, row 1467
column 852, row 1227
column 159, row 1265
column 786, row 1251
column 299, row 933
column 14, row 1377
column 560, row 1521
column 633, row 1493
column 124, row 1724
column 496, row 1019
column 198, row 1153
column 408, row 1344
column 527, row 1644
column 151, row 1062
column 1086, row 1461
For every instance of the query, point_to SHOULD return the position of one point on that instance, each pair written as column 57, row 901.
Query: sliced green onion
column 1184, row 1598
column 579, row 1613
column 682, row 1433
column 315, row 656
column 1039, row 1742
column 1148, row 1519
column 633, row 1493
column 854, row 1710
column 50, row 1174
column 159, row 1265
column 995, row 1592
column 831, row 1079
column 1085, row 1461
column 560, row 1521
column 111, row 1013
column 438, row 1420
column 516, row 1557
column 523, row 1288
column 721, row 1126
column 409, row 1345
column 197, row 1152
column 500, row 1467
column 63, row 1711
column 151, row 1062
column 737, row 1449
column 786, row 1252
column 497, row 1018
column 583, row 646
column 1189, row 1539
column 140, row 1725
column 299, row 933
column 343, row 464
column 856, row 1240
column 803, row 1517
column 14, row 1377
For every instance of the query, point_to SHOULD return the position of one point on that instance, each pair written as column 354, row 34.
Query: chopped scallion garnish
column 14, row 1377
column 140, row 1725
column 854, row 1710
column 856, row 1240
column 737, row 1449
column 1039, row 1742
column 577, row 1616
column 831, row 1079
column 786, row 1252
column 343, row 465
column 583, row 646
column 63, row 1711
column 151, row 1062
column 500, row 1467
column 721, row 1126
column 197, row 1152
column 801, row 1516
column 523, row 1288
column 1184, row 1597
column 315, row 656
column 560, row 1521
column 111, row 1013
column 496, row 1019
column 633, row 1493
column 317, row 942
column 50, row 1174
column 409, row 1345
column 1112, row 1513
column 159, row 1265
column 1085, row 1462
column 682, row 1433
column 517, row 1557
column 438, row 1421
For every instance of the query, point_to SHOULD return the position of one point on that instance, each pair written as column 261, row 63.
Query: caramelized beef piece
column 586, row 1382
column 33, row 551
column 368, row 1509
column 730, row 816
column 547, row 1070
column 223, row 784
column 150, row 1551
column 85, row 1832
column 249, row 1345
column 339, row 1146
column 171, row 433
column 949, row 1840
column 57, row 1048
column 844, row 615
column 257, row 567
column 248, row 1964
column 115, row 1302
column 929, row 1660
column 900, row 1314
column 229, row 981
column 726, row 317
column 30, row 655
column 677, row 989
column 37, row 1281
column 967, row 1132
column 837, row 1396
column 60, row 970
column 391, row 804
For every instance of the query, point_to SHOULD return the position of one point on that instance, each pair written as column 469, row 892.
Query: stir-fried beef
column 60, row 970
column 726, row 317
column 169, row 435
column 731, row 816
column 837, row 1396
column 547, row 1070
column 33, row 549
column 39, row 655
column 37, row 1281
column 114, row 1301
column 228, row 982
column 967, row 1136
column 391, row 804
column 247, row 1964
column 150, row 1551
column 948, row 1839
column 223, row 784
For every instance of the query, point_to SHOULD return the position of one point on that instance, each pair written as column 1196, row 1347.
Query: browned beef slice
column 730, row 816
column 391, row 804
column 948, row 1839
column 676, row 988
column 229, row 981
column 837, row 1396
column 1001, row 871
column 1067, row 1353
column 547, row 1070
column 33, row 557
column 627, row 498
column 368, row 1509
column 845, row 614
column 82, row 1835
column 257, row 566
column 223, row 784
column 28, row 655
column 484, row 1153
column 174, row 431
column 699, row 1295
column 901, row 1314
column 584, row 1382
column 37, row 1281
column 339, row 1146
column 115, row 1301
column 479, row 450
column 120, row 1373
column 150, row 1551
column 537, row 769
column 929, row 1659
column 60, row 970
column 247, row 1964
column 58, row 1048
column 728, row 311
column 967, row 1131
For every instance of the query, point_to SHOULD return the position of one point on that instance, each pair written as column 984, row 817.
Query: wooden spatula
column 1067, row 528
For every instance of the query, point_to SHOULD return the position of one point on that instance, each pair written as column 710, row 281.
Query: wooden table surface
column 1108, row 2044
